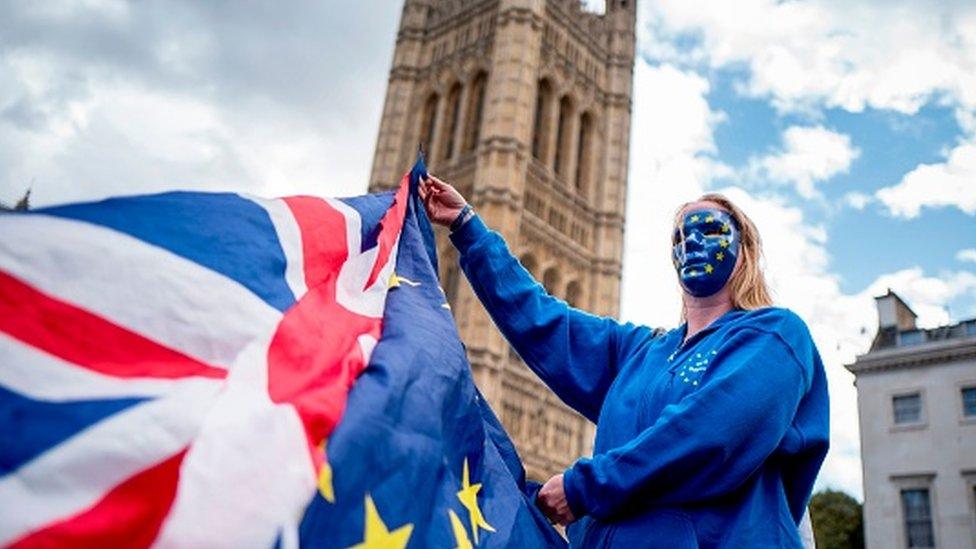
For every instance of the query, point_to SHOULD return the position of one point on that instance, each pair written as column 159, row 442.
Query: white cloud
column 951, row 183
column 809, row 155
column 857, row 200
column 969, row 255
column 103, row 98
column 894, row 55
column 672, row 160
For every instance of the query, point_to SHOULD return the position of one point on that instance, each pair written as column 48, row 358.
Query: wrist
column 465, row 215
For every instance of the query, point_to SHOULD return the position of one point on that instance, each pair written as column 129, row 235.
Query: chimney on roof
column 894, row 313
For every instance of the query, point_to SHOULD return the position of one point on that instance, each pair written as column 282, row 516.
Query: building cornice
column 926, row 354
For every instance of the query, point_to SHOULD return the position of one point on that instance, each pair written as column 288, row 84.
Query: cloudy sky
column 847, row 129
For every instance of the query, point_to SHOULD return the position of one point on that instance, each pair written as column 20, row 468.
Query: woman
column 709, row 435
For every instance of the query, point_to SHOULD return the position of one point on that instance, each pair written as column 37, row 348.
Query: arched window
column 550, row 279
column 562, row 134
column 584, row 153
column 451, row 283
column 574, row 294
column 429, row 122
column 540, row 135
column 528, row 261
column 539, row 430
column 476, row 107
column 453, row 110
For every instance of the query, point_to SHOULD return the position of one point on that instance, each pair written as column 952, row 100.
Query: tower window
column 429, row 121
column 562, row 135
column 453, row 110
column 584, row 153
column 476, row 105
column 540, row 136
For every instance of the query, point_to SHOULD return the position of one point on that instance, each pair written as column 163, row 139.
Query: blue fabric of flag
column 221, row 231
column 33, row 426
column 413, row 419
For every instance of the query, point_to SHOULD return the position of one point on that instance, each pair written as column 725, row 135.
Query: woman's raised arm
column 575, row 353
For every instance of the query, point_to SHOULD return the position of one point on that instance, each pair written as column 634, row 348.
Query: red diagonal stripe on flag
column 392, row 224
column 87, row 340
column 323, row 229
column 128, row 516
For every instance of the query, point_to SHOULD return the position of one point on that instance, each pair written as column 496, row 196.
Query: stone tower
column 524, row 106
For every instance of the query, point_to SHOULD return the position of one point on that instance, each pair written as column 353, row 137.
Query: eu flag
column 419, row 459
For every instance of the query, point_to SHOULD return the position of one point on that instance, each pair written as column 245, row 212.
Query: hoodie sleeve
column 708, row 443
column 574, row 352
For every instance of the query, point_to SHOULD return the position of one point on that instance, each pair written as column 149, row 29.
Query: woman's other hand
column 552, row 501
column 442, row 201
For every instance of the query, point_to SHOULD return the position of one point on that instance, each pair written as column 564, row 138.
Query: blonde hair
column 747, row 285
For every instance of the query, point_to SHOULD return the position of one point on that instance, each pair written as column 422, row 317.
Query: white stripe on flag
column 357, row 268
column 290, row 238
column 248, row 471
column 36, row 374
column 75, row 474
column 142, row 287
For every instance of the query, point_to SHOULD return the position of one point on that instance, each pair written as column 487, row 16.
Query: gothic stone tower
column 524, row 106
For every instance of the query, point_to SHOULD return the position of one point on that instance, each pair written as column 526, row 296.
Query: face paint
column 706, row 245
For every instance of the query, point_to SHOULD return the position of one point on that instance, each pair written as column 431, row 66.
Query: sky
column 846, row 129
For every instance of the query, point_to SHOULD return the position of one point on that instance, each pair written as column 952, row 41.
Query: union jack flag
column 174, row 368
column 148, row 343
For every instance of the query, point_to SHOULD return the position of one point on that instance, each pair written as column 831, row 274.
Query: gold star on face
column 708, row 269
column 694, row 218
column 725, row 227
column 709, row 219
column 692, row 273
column 469, row 499
column 377, row 536
column 724, row 243
column 460, row 533
column 720, row 256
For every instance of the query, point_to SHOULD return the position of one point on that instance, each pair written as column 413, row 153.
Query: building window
column 562, row 135
column 540, row 136
column 907, row 408
column 583, row 153
column 917, row 510
column 429, row 122
column 476, row 107
column 969, row 401
column 450, row 126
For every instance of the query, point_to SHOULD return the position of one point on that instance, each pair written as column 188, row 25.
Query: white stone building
column 917, row 408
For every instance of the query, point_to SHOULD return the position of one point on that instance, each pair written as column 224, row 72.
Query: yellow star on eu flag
column 708, row 269
column 720, row 256
column 724, row 243
column 325, row 476
column 469, row 498
column 709, row 219
column 460, row 533
column 377, row 536
column 694, row 218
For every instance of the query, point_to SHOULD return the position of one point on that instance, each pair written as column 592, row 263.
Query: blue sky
column 891, row 144
column 845, row 128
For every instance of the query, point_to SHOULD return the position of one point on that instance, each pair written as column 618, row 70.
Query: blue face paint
column 706, row 245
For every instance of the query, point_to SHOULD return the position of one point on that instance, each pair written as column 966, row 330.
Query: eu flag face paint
column 706, row 245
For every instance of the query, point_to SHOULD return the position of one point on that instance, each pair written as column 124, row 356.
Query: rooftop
column 900, row 343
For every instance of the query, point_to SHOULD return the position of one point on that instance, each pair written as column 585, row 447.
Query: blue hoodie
column 712, row 443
